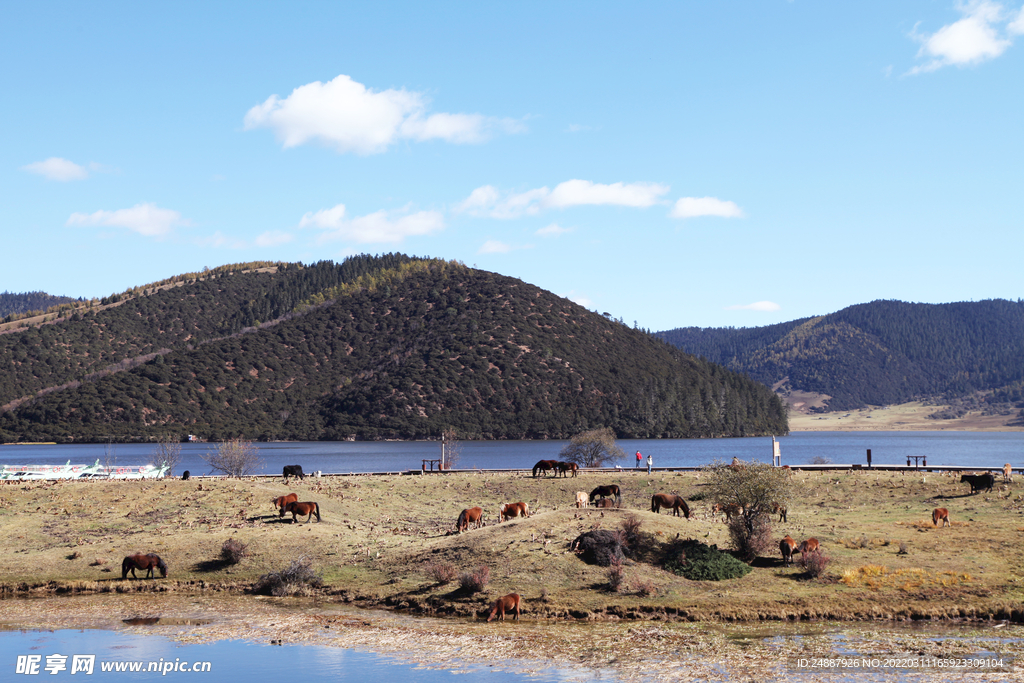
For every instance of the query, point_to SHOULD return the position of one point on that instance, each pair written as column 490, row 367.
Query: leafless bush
column 298, row 579
column 167, row 452
column 442, row 572
column 751, row 537
column 630, row 528
column 233, row 551
column 616, row 575
column 475, row 581
column 903, row 548
column 235, row 458
column 644, row 588
column 815, row 562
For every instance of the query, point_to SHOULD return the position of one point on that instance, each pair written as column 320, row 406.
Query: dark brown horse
column 605, row 491
column 469, row 516
column 670, row 501
column 940, row 513
column 509, row 602
column 563, row 467
column 510, row 510
column 545, row 466
column 787, row 547
column 605, row 503
column 282, row 501
column 781, row 511
column 147, row 562
column 297, row 508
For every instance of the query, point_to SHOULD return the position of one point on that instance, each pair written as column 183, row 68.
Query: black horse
column 293, row 471
column 979, row 481
column 606, row 491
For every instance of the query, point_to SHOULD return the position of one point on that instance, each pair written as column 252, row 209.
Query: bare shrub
column 815, row 562
column 298, row 579
column 751, row 538
column 903, row 548
column 167, row 452
column 645, row 588
column 476, row 580
column 235, row 458
column 630, row 528
column 233, row 551
column 616, row 575
column 820, row 460
column 441, row 572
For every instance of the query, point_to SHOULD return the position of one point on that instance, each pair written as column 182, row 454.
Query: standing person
column 638, row 458
column 650, row 461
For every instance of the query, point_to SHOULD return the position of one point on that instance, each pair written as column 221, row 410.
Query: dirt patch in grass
column 382, row 538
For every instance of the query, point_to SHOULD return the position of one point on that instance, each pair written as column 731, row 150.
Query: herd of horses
column 557, row 467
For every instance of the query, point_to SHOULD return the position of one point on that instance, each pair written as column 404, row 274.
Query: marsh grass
column 878, row 577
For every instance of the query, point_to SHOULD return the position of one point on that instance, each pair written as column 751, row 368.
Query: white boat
column 69, row 471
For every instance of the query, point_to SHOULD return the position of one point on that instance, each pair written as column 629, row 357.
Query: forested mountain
column 375, row 347
column 15, row 304
column 879, row 353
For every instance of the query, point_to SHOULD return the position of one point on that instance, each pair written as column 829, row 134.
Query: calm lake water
column 973, row 449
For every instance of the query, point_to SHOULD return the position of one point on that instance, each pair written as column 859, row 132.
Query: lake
column 972, row 449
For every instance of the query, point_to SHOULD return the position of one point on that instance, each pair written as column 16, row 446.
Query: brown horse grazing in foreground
column 148, row 562
column 469, row 516
column 297, row 509
column 282, row 501
column 605, row 491
column 787, row 547
column 940, row 513
column 510, row 510
column 509, row 602
column 670, row 501
column 545, row 466
column 808, row 546
column 563, row 467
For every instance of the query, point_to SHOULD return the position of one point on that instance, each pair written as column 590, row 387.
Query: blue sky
column 672, row 164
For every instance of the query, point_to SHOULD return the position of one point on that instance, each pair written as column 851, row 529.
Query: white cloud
column 553, row 230
column 494, row 247
column 145, row 219
column 56, row 168
column 578, row 299
column 273, row 238
column 380, row 226
column 975, row 38
column 488, row 201
column 350, row 117
column 692, row 207
column 756, row 306
column 584, row 192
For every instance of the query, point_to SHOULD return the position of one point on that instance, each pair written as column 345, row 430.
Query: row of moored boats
column 69, row 471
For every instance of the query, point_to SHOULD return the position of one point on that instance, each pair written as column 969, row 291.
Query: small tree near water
column 593, row 448
column 235, row 458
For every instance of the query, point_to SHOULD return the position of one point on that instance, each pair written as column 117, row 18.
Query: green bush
column 699, row 562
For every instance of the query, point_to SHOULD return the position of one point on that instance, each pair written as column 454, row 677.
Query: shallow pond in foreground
column 255, row 639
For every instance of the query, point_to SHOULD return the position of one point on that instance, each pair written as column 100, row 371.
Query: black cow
column 293, row 471
column 979, row 481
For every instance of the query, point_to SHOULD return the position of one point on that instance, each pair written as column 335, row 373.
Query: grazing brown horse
column 297, row 508
column 281, row 501
column 509, row 602
column 581, row 499
column 940, row 513
column 469, row 516
column 604, row 491
column 510, row 510
column 808, row 546
column 730, row 510
column 148, row 562
column 670, row 501
column 1007, row 472
column 545, row 466
column 563, row 467
column 780, row 510
column 787, row 546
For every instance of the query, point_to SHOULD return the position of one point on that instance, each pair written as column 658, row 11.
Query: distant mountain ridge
column 374, row 347
column 879, row 353
column 28, row 302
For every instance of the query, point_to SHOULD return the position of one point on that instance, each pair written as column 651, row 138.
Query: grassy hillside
column 372, row 550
